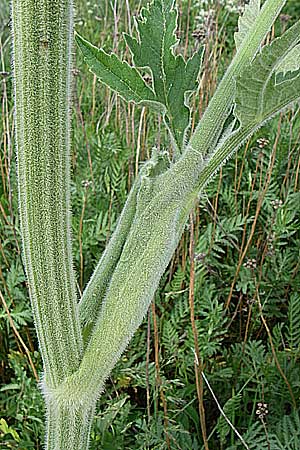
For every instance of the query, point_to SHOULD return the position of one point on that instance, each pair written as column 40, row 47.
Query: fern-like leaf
column 294, row 322
column 230, row 408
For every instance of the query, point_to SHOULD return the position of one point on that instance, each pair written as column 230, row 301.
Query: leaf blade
column 156, row 36
column 246, row 21
column 116, row 74
column 174, row 79
column 184, row 83
column 259, row 96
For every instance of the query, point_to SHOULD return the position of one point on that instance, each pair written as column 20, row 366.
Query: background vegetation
column 229, row 304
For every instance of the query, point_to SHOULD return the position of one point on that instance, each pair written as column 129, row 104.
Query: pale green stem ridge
column 68, row 426
column 42, row 32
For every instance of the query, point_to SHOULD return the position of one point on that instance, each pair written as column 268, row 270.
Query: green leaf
column 173, row 78
column 182, row 82
column 116, row 74
column 9, row 387
column 156, row 31
column 230, row 408
column 291, row 62
column 259, row 96
column 8, row 430
column 293, row 335
column 246, row 21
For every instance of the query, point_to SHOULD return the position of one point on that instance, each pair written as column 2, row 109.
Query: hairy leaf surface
column 246, row 21
column 259, row 97
column 173, row 77
column 291, row 62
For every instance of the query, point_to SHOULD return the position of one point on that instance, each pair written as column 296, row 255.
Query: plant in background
column 80, row 343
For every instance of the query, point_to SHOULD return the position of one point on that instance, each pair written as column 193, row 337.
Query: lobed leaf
column 156, row 37
column 182, row 82
column 173, row 77
column 116, row 74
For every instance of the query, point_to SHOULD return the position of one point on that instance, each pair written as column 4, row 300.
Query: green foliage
column 246, row 21
column 119, row 76
column 230, row 409
column 284, row 437
column 22, row 412
column 258, row 94
column 293, row 326
column 173, row 78
column 237, row 355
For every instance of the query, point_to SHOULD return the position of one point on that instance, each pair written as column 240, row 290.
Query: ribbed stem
column 68, row 427
column 42, row 44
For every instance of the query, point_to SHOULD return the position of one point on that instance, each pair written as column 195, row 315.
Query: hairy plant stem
column 42, row 32
column 42, row 45
column 68, row 427
column 149, row 229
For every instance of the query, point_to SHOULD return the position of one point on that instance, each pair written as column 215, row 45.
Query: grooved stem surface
column 42, row 42
column 68, row 428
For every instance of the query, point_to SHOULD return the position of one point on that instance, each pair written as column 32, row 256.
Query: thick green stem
column 42, row 45
column 68, row 426
column 156, row 230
